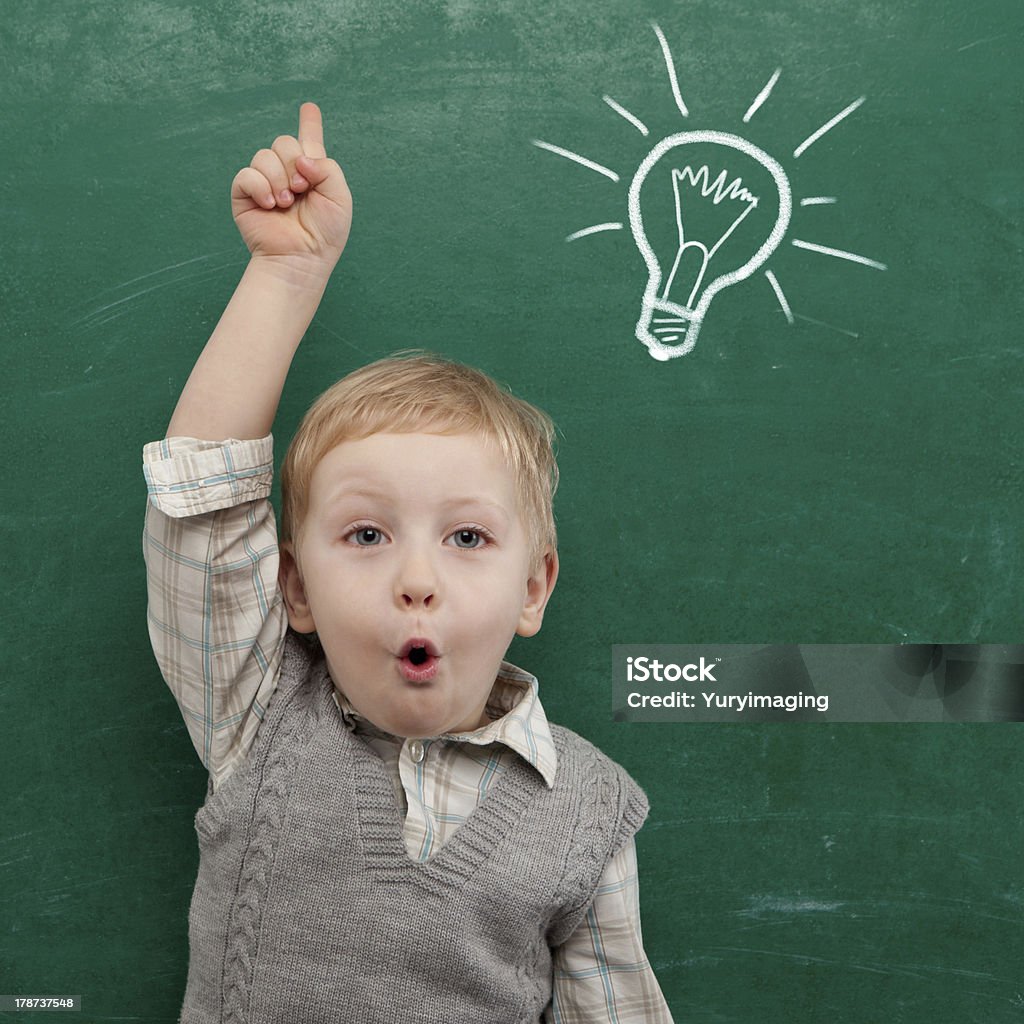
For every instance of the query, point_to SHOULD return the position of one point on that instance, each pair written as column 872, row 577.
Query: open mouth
column 418, row 660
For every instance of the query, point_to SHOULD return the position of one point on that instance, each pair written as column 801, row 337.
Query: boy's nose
column 416, row 585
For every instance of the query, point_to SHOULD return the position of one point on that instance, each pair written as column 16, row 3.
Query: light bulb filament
column 718, row 190
column 734, row 190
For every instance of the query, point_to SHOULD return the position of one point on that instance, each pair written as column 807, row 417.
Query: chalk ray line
column 774, row 282
column 579, row 159
column 827, row 126
column 670, row 66
column 817, row 200
column 610, row 226
column 632, row 118
column 831, row 327
column 762, row 96
column 841, row 253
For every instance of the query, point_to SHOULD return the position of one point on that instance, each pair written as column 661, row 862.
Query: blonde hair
column 414, row 392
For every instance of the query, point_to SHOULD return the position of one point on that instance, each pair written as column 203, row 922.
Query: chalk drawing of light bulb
column 707, row 209
column 685, row 278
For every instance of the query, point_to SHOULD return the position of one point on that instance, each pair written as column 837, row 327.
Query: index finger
column 311, row 131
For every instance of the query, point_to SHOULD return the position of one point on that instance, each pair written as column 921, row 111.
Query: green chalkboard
column 837, row 460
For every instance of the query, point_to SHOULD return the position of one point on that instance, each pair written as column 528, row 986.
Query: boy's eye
column 366, row 536
column 467, row 539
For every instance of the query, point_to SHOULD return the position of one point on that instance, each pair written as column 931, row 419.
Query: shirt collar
column 517, row 721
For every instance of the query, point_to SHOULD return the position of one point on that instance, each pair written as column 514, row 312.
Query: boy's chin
column 413, row 726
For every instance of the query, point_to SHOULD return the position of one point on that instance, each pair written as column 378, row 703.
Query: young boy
column 392, row 831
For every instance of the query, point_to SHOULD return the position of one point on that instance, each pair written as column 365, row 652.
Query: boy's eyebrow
column 358, row 489
column 476, row 502
column 353, row 490
column 346, row 492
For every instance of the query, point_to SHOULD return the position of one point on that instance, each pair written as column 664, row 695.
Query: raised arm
column 293, row 208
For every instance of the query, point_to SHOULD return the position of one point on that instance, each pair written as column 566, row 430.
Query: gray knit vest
column 308, row 908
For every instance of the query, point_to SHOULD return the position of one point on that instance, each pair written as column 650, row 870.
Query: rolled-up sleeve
column 216, row 620
column 601, row 972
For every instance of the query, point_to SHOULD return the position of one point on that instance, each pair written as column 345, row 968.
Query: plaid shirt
column 218, row 624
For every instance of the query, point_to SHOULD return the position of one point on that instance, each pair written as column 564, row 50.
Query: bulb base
column 667, row 329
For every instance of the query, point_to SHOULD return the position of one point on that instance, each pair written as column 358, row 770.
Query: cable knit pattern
column 276, row 757
column 308, row 907
column 611, row 809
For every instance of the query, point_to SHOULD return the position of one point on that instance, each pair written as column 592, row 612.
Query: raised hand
column 292, row 200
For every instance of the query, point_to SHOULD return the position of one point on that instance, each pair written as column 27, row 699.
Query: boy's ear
column 538, row 590
column 300, row 618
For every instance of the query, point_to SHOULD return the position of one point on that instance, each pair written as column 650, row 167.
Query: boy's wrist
column 304, row 273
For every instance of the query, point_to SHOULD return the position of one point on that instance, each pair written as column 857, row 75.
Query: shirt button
column 416, row 751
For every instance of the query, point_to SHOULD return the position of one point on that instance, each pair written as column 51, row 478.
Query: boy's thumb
column 325, row 176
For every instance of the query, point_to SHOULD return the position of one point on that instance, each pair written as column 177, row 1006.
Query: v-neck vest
column 307, row 906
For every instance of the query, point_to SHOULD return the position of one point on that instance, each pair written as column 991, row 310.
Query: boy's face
column 414, row 568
